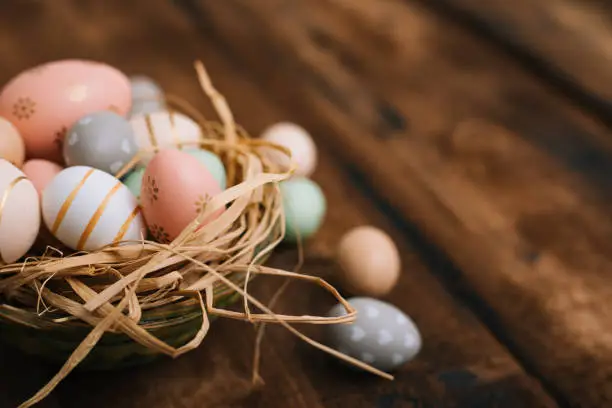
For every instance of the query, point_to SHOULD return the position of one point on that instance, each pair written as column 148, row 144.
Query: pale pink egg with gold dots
column 44, row 101
column 175, row 189
column 41, row 172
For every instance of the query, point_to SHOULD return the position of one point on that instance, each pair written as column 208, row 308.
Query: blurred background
column 476, row 133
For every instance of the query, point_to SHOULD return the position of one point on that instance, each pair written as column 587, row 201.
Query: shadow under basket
column 175, row 324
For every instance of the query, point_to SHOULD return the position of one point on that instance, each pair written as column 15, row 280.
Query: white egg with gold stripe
column 19, row 213
column 164, row 129
column 86, row 209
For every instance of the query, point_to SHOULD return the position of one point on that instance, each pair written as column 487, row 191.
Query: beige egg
column 369, row 262
column 19, row 213
column 12, row 147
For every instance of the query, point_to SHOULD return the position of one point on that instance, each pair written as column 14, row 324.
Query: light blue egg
column 304, row 205
column 212, row 162
column 133, row 181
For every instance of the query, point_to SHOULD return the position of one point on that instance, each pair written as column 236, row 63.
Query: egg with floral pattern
column 45, row 101
column 176, row 187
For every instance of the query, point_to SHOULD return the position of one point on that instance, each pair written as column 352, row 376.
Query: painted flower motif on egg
column 176, row 188
column 86, row 209
column 103, row 140
column 43, row 102
column 381, row 335
column 161, row 130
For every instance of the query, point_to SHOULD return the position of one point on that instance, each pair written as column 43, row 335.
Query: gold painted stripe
column 7, row 192
column 126, row 225
column 175, row 136
column 96, row 217
column 152, row 137
column 68, row 202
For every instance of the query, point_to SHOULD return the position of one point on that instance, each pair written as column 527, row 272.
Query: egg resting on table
column 45, row 101
column 369, row 261
column 86, row 209
column 176, row 187
column 19, row 213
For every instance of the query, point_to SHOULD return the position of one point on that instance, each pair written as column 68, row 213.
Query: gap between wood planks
column 489, row 262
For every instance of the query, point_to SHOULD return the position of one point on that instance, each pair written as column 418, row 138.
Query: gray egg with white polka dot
column 147, row 96
column 103, row 140
column 382, row 335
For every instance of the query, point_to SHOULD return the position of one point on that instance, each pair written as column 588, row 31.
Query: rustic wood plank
column 510, row 180
column 567, row 41
column 461, row 364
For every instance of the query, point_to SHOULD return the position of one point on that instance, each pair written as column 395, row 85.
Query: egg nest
column 129, row 302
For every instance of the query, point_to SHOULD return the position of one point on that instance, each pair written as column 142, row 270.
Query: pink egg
column 45, row 101
column 175, row 189
column 41, row 172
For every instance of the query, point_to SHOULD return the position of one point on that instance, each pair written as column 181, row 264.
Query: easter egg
column 161, row 130
column 19, row 213
column 147, row 95
column 382, row 335
column 86, row 209
column 12, row 147
column 103, row 140
column 304, row 205
column 298, row 141
column 369, row 261
column 45, row 101
column 175, row 189
column 41, row 172
column 133, row 181
column 212, row 162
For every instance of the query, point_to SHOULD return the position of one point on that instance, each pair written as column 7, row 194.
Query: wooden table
column 464, row 130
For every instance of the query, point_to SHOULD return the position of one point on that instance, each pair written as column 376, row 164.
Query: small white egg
column 298, row 141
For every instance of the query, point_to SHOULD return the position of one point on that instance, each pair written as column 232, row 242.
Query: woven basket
column 132, row 302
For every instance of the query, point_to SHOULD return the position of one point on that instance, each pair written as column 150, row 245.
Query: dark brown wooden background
column 476, row 133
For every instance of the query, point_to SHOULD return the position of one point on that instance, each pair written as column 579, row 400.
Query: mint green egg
column 133, row 180
column 304, row 205
column 212, row 162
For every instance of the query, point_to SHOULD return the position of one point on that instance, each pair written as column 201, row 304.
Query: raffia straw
column 111, row 288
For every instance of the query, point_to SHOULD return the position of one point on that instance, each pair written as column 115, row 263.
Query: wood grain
column 509, row 179
column 462, row 365
column 566, row 41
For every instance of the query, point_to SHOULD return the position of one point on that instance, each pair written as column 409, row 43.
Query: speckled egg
column 103, row 140
column 298, row 141
column 212, row 162
column 147, row 96
column 12, row 147
column 382, row 335
column 176, row 188
column 369, row 261
column 19, row 213
column 45, row 101
column 41, row 172
column 86, row 209
column 133, row 180
column 304, row 205
column 161, row 130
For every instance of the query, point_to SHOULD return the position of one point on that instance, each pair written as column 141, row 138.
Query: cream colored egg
column 369, row 261
column 19, row 213
column 86, row 209
column 297, row 140
column 164, row 129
